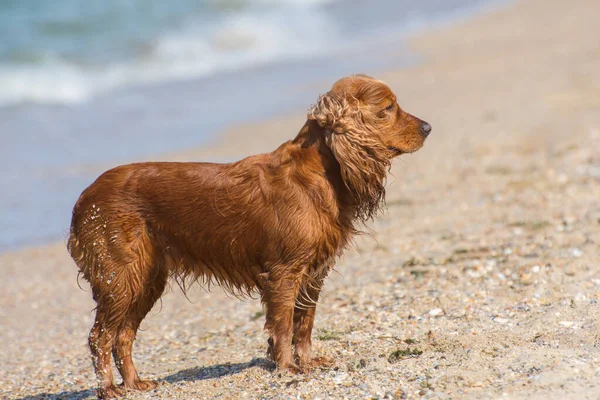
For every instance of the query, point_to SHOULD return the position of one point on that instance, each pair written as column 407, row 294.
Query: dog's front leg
column 304, row 318
column 279, row 298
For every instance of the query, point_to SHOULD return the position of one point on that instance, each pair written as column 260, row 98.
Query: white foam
column 58, row 82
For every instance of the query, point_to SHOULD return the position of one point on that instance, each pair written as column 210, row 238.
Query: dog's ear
column 362, row 157
column 331, row 112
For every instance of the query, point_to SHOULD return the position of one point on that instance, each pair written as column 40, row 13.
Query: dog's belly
column 241, row 257
column 235, row 271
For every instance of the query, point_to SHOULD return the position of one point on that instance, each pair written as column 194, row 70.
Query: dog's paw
column 318, row 362
column 324, row 362
column 289, row 367
column 142, row 385
column 110, row 392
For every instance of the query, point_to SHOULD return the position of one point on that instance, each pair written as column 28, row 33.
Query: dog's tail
column 75, row 244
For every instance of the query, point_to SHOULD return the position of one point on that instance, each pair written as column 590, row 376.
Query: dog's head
column 365, row 129
column 362, row 106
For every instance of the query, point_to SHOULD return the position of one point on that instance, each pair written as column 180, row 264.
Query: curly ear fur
column 363, row 158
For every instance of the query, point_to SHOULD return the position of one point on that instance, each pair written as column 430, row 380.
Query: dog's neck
column 310, row 150
column 359, row 187
column 310, row 134
column 310, row 143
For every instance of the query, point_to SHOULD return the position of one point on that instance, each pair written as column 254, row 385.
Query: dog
column 270, row 225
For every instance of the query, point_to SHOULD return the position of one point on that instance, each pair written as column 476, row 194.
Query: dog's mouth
column 395, row 151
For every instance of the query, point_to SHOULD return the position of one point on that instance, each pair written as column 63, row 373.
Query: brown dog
column 271, row 224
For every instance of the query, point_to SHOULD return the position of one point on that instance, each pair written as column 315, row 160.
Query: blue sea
column 86, row 85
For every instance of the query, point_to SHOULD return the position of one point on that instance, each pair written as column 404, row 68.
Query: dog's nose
column 425, row 128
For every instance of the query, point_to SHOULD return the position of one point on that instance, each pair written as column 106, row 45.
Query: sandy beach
column 480, row 281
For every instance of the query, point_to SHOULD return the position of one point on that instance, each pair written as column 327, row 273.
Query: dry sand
column 480, row 281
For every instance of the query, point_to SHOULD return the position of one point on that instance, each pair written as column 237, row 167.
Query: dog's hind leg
column 101, row 339
column 150, row 290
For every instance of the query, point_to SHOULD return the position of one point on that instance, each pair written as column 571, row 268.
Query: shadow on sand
column 217, row 371
column 186, row 375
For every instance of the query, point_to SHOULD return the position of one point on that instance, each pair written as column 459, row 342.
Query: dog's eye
column 386, row 111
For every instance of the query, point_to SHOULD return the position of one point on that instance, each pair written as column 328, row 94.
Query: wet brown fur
column 270, row 224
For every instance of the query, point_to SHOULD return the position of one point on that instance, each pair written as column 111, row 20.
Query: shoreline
column 485, row 262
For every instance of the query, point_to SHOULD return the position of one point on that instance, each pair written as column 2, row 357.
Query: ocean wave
column 295, row 28
column 216, row 36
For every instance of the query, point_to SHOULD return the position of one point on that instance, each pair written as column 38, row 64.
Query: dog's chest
column 332, row 243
